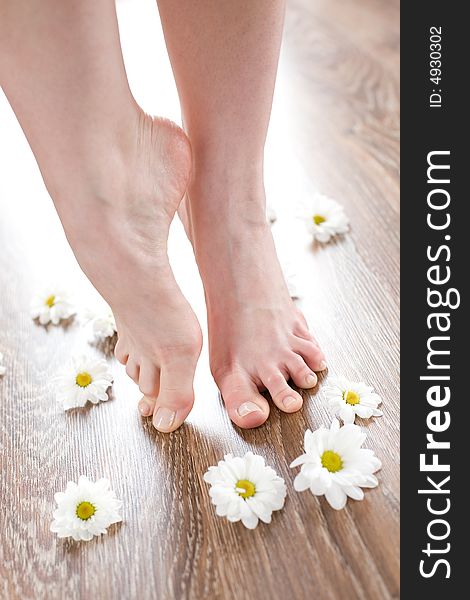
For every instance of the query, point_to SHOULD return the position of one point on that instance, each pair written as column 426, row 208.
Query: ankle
column 233, row 164
column 230, row 194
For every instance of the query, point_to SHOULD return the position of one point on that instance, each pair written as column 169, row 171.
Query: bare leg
column 224, row 55
column 116, row 177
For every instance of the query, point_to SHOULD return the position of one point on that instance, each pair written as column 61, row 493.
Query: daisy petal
column 336, row 497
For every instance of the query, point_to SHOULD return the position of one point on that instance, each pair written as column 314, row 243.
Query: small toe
column 176, row 396
column 147, row 405
column 149, row 385
column 300, row 373
column 120, row 353
column 245, row 405
column 149, row 379
column 311, row 353
column 283, row 396
column 133, row 369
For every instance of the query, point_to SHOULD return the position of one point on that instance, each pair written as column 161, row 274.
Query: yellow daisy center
column 318, row 219
column 245, row 488
column 50, row 301
column 331, row 461
column 83, row 379
column 351, row 397
column 85, row 510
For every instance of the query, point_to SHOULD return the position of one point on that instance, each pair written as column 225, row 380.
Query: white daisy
column 85, row 379
column 2, row 366
column 335, row 465
column 85, row 509
column 52, row 306
column 349, row 398
column 244, row 488
column 271, row 215
column 326, row 218
column 104, row 325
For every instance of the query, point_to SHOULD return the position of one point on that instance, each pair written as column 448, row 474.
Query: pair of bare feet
column 117, row 224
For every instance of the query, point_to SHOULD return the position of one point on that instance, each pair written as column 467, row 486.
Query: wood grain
column 334, row 130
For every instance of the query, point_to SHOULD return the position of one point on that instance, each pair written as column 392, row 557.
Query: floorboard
column 334, row 130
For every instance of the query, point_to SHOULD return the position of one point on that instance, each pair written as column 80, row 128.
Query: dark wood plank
column 339, row 83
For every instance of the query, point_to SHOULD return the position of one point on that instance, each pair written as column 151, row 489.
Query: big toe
column 176, row 397
column 245, row 405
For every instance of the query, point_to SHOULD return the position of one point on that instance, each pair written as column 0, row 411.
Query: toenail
column 311, row 380
column 144, row 409
column 248, row 407
column 289, row 401
column 164, row 419
column 322, row 365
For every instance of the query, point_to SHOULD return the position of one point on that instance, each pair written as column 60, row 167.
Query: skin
column 224, row 58
column 116, row 177
column 110, row 167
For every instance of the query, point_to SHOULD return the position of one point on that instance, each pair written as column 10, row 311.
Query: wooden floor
column 334, row 130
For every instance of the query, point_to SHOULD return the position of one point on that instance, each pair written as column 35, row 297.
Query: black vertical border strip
column 423, row 130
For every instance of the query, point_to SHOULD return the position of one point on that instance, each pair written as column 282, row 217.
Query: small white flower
column 349, row 398
column 326, row 218
column 104, row 325
column 2, row 366
column 244, row 488
column 335, row 465
column 52, row 306
column 271, row 215
column 85, row 379
column 85, row 509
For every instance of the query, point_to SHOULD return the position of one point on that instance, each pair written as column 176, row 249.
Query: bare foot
column 258, row 338
column 116, row 206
